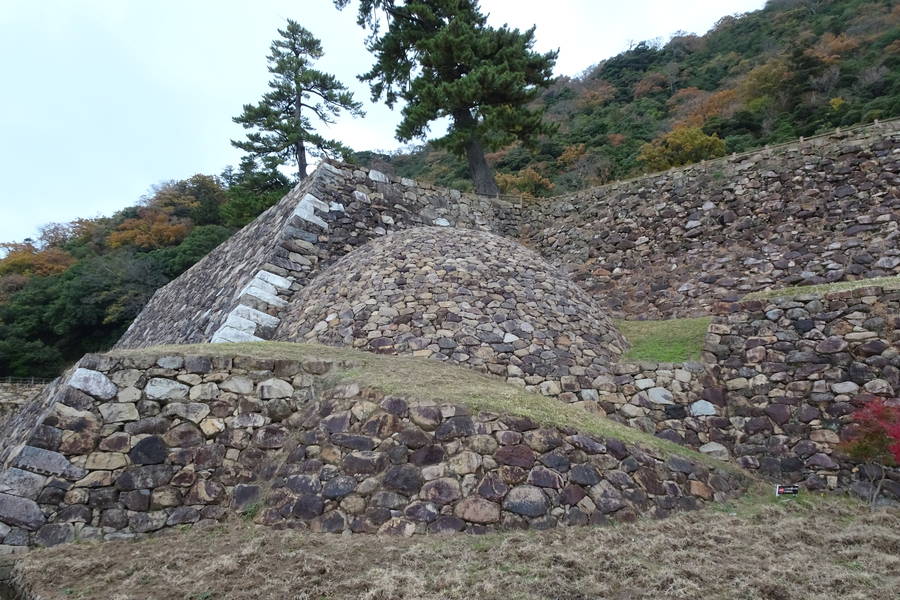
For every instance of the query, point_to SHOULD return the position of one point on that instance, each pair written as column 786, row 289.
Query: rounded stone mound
column 462, row 295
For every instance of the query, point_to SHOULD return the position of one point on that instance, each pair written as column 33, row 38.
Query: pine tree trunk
column 299, row 150
column 482, row 175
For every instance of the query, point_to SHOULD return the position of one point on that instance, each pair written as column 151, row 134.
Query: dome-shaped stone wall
column 461, row 295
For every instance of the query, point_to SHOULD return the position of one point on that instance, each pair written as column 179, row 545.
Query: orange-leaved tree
column 153, row 228
column 27, row 259
column 528, row 182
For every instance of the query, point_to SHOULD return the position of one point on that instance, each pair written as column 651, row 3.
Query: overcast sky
column 104, row 98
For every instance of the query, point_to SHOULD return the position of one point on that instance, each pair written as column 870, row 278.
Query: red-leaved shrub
column 876, row 437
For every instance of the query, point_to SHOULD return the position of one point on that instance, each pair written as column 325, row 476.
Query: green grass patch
column 431, row 380
column 826, row 288
column 674, row 341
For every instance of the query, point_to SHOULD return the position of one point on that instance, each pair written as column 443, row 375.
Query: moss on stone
column 821, row 290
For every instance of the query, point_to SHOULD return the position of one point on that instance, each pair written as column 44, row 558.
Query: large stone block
column 20, row 512
column 94, row 383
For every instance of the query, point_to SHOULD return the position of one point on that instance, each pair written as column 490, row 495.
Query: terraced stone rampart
column 238, row 291
column 124, row 446
column 792, row 370
column 672, row 244
column 677, row 243
column 464, row 296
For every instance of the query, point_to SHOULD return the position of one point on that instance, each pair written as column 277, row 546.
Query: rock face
column 330, row 458
column 459, row 295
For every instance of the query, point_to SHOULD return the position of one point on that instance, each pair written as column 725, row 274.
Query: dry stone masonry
column 664, row 399
column 14, row 394
column 127, row 446
column 674, row 244
column 777, row 386
column 460, row 295
column 791, row 372
column 238, row 291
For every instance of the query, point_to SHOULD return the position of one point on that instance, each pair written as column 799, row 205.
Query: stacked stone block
column 677, row 243
column 465, row 296
column 14, row 395
column 791, row 371
column 128, row 446
column 669, row 400
column 238, row 292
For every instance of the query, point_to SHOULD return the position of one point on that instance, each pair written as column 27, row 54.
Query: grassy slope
column 675, row 340
column 430, row 380
column 841, row 286
column 816, row 548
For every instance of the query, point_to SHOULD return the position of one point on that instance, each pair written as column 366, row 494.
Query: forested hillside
column 77, row 287
column 794, row 68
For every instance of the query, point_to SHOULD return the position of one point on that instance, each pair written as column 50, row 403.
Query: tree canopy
column 442, row 58
column 77, row 287
column 283, row 119
column 794, row 68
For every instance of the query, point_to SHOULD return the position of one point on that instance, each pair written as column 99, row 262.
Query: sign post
column 787, row 490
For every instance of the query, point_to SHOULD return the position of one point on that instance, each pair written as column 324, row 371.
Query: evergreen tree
column 442, row 58
column 251, row 190
column 285, row 131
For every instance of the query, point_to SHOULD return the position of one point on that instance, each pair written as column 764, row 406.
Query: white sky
column 101, row 99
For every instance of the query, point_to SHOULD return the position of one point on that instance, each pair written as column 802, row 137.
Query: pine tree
column 442, row 58
column 285, row 131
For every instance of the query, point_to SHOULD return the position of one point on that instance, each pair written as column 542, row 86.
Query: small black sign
column 787, row 490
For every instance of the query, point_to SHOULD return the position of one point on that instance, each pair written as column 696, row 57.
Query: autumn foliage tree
column 527, row 182
column 875, row 440
column 199, row 198
column 28, row 259
column 152, row 228
column 681, row 146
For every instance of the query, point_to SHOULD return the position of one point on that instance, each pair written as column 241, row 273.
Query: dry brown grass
column 431, row 380
column 815, row 548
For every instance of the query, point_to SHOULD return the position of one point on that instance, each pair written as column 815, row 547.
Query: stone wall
column 17, row 393
column 13, row 398
column 194, row 306
column 465, row 296
column 674, row 244
column 127, row 446
column 791, row 372
column 667, row 400
column 237, row 292
column 14, row 395
column 776, row 388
